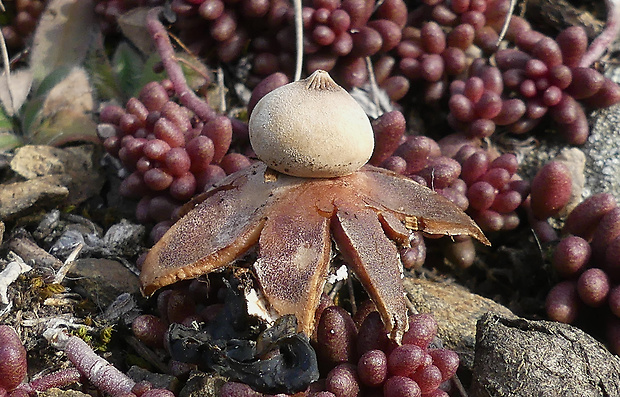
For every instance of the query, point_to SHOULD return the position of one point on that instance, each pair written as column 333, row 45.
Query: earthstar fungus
column 367, row 212
column 311, row 128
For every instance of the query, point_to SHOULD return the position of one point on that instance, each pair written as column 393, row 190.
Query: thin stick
column 7, row 66
column 149, row 355
column 181, row 44
column 351, row 294
column 69, row 262
column 374, row 88
column 513, row 3
column 459, row 386
column 606, row 38
column 191, row 54
column 193, row 67
column 187, row 97
column 335, row 288
column 410, row 305
column 221, row 89
column 299, row 39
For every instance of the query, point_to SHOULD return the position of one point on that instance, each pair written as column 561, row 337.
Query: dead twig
column 299, row 39
column 11, row 272
column 372, row 81
column 5, row 62
column 221, row 89
column 23, row 245
column 64, row 269
column 502, row 33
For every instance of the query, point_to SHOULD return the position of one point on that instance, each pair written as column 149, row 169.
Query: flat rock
column 102, row 280
column 33, row 161
column 16, row 199
column 158, row 381
column 456, row 310
column 518, row 357
column 46, row 177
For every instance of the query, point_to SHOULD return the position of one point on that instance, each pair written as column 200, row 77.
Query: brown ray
column 418, row 206
column 294, row 255
column 375, row 261
column 217, row 231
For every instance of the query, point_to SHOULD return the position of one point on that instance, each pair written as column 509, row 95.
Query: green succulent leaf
column 6, row 122
column 128, row 66
column 9, row 141
column 30, row 114
column 65, row 126
column 52, row 80
column 148, row 73
column 61, row 110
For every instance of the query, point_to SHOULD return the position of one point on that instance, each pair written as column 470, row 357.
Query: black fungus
column 277, row 360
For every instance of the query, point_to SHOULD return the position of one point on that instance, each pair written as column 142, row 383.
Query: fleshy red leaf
column 13, row 366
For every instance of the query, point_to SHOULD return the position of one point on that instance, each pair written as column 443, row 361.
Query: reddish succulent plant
column 550, row 190
column 512, row 89
column 13, row 365
column 23, row 17
column 586, row 259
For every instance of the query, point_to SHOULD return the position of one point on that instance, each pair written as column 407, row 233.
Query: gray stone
column 518, row 357
column 602, row 152
column 102, row 280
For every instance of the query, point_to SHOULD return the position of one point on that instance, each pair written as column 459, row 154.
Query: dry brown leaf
column 133, row 26
column 20, row 83
column 63, row 36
